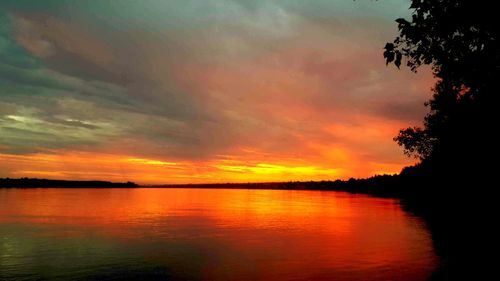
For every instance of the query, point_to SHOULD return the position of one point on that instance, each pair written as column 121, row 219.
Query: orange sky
column 319, row 161
column 266, row 92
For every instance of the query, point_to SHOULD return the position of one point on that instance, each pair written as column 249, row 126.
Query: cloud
column 294, row 86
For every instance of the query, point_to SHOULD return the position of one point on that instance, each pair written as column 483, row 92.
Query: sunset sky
column 203, row 91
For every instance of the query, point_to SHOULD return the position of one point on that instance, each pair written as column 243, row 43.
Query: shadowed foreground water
column 208, row 234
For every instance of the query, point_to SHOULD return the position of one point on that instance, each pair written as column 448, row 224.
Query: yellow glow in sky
column 94, row 166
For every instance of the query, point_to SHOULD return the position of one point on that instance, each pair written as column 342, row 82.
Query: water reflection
column 208, row 234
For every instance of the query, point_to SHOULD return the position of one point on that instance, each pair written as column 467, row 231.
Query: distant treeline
column 380, row 185
column 34, row 183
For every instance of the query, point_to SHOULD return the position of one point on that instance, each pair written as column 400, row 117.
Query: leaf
column 397, row 62
column 389, row 57
column 402, row 21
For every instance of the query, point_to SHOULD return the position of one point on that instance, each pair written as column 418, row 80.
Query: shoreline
column 380, row 186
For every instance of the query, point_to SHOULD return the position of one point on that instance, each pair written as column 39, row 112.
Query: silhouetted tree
column 459, row 39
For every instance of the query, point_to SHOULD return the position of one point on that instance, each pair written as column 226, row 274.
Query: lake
column 208, row 234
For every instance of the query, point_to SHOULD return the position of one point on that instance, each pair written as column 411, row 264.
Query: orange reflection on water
column 239, row 234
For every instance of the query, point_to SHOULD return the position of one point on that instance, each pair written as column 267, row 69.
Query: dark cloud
column 268, row 76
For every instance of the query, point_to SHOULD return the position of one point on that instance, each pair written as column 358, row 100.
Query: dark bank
column 48, row 183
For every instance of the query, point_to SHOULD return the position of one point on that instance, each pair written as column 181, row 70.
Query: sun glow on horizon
column 94, row 166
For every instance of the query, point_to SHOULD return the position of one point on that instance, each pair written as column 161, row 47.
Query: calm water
column 208, row 234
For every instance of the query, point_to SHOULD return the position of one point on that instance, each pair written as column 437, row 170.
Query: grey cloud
column 150, row 91
column 28, row 141
column 129, row 80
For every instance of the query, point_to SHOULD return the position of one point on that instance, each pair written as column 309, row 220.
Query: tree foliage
column 459, row 39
